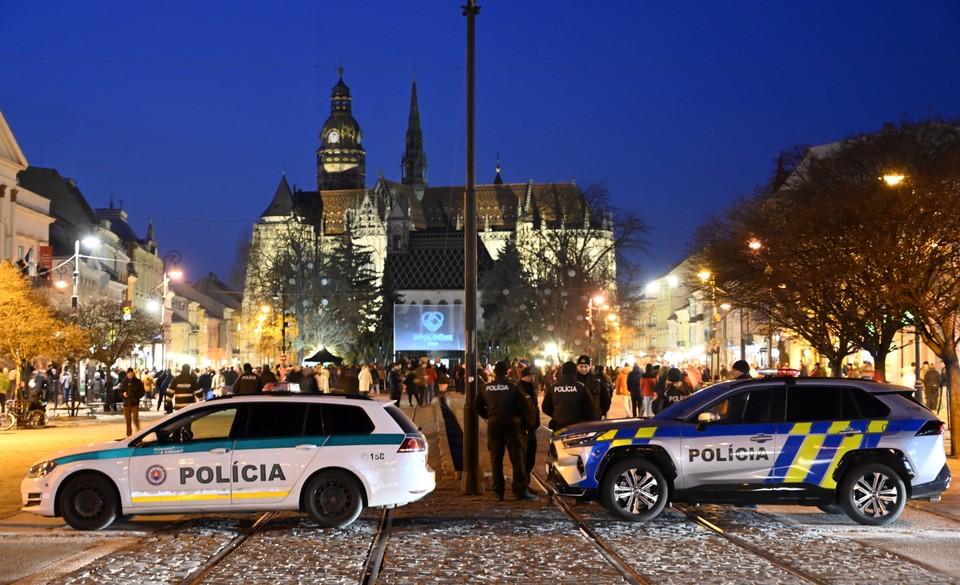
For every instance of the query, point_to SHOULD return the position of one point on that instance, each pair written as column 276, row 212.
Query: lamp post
column 166, row 312
column 894, row 179
column 706, row 277
column 598, row 303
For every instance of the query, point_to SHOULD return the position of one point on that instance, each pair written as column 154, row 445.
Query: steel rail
column 773, row 560
column 200, row 572
column 587, row 531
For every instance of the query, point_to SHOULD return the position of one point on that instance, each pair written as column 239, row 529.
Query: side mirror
column 708, row 417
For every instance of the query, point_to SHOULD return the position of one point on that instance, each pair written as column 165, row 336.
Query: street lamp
column 90, row 242
column 894, row 179
column 595, row 302
column 707, row 278
column 171, row 259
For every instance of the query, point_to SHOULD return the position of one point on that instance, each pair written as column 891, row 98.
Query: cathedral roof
column 433, row 261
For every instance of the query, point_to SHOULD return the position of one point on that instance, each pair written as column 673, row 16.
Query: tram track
column 370, row 567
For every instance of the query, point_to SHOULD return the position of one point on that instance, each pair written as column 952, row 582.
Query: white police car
column 327, row 455
column 853, row 445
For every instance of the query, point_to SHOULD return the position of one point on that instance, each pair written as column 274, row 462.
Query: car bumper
column 933, row 489
column 36, row 496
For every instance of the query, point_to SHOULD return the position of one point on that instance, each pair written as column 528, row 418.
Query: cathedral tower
column 341, row 159
column 414, row 161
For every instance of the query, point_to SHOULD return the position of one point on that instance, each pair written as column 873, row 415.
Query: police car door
column 274, row 448
column 822, row 423
column 737, row 449
column 185, row 464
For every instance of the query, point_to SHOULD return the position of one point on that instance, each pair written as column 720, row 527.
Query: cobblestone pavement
column 450, row 538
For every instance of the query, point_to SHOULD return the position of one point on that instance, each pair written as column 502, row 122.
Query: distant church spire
column 498, row 180
column 414, row 161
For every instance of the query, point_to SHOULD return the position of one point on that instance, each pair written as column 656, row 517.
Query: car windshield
column 688, row 406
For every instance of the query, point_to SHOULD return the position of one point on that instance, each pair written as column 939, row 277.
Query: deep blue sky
column 189, row 111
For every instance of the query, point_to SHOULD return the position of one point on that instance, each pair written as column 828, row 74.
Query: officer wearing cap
column 740, row 370
column 504, row 408
column 568, row 401
column 587, row 377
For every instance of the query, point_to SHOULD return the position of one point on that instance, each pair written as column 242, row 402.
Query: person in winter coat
column 568, row 401
column 365, row 380
column 589, row 378
column 677, row 388
column 248, row 382
column 504, row 407
column 324, row 380
column 633, row 391
column 131, row 391
column 740, row 370
column 648, row 383
column 529, row 388
column 395, row 383
column 184, row 389
column 620, row 389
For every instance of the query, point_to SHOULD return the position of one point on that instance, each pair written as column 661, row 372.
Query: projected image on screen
column 428, row 327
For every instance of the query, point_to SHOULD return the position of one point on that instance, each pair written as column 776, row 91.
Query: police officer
column 568, row 401
column 528, row 387
column 183, row 389
column 589, row 378
column 504, row 407
column 247, row 382
column 740, row 370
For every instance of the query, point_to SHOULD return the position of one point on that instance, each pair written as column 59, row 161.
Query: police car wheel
column 88, row 502
column 634, row 489
column 333, row 499
column 873, row 494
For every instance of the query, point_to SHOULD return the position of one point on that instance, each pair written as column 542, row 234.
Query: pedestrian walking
column 504, row 408
column 648, row 383
column 131, row 391
column 365, row 380
column 395, row 384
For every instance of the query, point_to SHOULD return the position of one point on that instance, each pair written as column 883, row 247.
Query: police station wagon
column 855, row 446
column 327, row 455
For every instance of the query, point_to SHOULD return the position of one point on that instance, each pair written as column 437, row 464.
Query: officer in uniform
column 587, row 377
column 247, row 382
column 504, row 408
column 528, row 387
column 183, row 389
column 740, row 370
column 568, row 401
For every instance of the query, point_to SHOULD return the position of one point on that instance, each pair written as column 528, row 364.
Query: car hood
column 85, row 449
column 609, row 425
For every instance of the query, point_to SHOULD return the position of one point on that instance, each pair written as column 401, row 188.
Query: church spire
column 414, row 161
column 498, row 180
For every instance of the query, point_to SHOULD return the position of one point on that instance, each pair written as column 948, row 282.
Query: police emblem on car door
column 731, row 442
column 185, row 463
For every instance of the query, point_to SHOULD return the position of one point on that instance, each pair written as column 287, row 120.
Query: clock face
column 333, row 137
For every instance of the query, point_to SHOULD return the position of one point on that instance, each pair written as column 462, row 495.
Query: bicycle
column 22, row 416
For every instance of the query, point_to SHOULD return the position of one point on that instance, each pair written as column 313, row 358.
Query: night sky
column 189, row 112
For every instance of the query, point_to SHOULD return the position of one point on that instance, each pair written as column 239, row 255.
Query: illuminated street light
column 754, row 244
column 892, row 180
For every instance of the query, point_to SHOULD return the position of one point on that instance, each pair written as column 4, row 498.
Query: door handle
column 761, row 438
column 848, row 431
column 305, row 447
column 220, row 450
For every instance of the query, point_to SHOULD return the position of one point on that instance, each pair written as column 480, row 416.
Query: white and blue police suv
column 855, row 446
column 327, row 455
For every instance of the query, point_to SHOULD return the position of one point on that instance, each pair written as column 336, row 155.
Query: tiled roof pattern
column 433, row 261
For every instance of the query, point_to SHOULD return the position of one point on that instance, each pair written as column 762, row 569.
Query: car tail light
column 412, row 445
column 931, row 427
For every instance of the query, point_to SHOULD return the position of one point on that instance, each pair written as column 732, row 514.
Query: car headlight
column 579, row 439
column 42, row 469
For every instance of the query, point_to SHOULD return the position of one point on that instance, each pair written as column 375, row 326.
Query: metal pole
column 471, row 484
column 917, row 382
column 76, row 279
